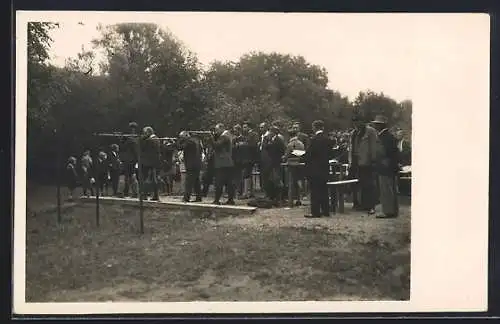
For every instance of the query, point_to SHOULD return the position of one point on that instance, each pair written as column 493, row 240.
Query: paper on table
column 298, row 152
column 406, row 169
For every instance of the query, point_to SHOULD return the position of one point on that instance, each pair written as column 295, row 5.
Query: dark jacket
column 71, row 175
column 114, row 161
column 223, row 151
column 253, row 146
column 192, row 154
column 388, row 158
column 317, row 157
column 167, row 156
column 150, row 152
column 129, row 149
column 275, row 148
column 241, row 150
column 101, row 169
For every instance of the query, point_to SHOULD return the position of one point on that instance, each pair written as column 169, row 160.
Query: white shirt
column 262, row 139
column 320, row 131
column 400, row 145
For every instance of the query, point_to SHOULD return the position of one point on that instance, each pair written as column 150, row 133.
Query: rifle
column 206, row 133
column 116, row 134
column 168, row 140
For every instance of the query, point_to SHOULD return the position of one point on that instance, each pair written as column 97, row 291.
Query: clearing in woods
column 185, row 256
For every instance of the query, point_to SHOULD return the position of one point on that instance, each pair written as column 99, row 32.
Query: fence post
column 97, row 189
column 140, row 187
column 58, row 176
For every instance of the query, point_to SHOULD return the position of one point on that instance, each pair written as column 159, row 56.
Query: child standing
column 87, row 175
column 102, row 173
column 71, row 177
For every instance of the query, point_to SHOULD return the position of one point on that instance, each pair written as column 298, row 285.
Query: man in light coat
column 362, row 160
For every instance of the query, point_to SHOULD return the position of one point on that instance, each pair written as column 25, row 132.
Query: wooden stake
column 140, row 180
column 58, row 177
column 97, row 216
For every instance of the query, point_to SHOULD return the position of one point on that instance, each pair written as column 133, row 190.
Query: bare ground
column 184, row 256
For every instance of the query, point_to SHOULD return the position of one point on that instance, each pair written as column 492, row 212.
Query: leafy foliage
column 149, row 76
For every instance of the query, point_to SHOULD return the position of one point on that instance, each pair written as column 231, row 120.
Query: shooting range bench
column 338, row 188
column 338, row 184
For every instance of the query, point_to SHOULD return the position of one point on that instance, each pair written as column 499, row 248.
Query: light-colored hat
column 379, row 119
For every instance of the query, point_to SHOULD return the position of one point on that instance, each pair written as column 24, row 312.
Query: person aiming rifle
column 150, row 163
column 167, row 166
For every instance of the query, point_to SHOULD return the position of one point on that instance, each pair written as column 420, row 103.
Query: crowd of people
column 229, row 158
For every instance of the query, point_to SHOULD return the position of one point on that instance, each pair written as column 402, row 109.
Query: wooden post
column 340, row 192
column 58, row 176
column 97, row 189
column 333, row 191
column 140, row 180
column 290, row 185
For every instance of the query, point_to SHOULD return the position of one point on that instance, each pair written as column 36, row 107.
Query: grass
column 274, row 255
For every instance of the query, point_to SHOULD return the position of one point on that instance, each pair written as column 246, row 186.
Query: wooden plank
column 342, row 182
column 175, row 205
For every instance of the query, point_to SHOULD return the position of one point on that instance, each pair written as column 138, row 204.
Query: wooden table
column 292, row 163
column 338, row 173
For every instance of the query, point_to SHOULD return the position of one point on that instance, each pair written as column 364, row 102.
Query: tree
column 40, row 95
column 369, row 104
column 297, row 89
column 152, row 77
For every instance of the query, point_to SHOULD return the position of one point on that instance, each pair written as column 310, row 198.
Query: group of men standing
column 228, row 158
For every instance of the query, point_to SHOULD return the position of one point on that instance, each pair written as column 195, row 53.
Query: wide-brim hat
column 379, row 119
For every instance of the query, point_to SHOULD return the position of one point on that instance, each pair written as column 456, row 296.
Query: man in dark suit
column 114, row 168
column 316, row 159
column 252, row 140
column 192, row 161
column 223, row 164
column 128, row 155
column 274, row 147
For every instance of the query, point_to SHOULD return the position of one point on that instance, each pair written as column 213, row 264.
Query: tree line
column 149, row 76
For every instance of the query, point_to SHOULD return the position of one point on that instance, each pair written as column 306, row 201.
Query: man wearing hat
column 387, row 168
column 362, row 160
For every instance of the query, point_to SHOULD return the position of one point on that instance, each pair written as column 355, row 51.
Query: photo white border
column 449, row 239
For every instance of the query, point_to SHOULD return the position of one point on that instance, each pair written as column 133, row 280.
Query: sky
column 380, row 52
